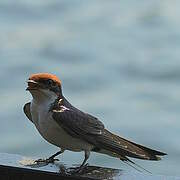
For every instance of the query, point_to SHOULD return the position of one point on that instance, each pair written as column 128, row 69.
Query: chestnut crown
column 44, row 81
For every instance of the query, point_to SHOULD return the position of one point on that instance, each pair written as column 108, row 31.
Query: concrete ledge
column 14, row 173
column 16, row 167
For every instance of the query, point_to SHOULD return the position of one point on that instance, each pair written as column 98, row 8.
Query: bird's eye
column 50, row 82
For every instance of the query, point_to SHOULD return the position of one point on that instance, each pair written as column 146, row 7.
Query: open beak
column 32, row 85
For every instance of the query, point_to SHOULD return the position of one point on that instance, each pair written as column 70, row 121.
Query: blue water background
column 118, row 60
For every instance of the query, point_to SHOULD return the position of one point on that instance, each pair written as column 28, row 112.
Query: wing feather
column 86, row 127
column 27, row 111
column 78, row 123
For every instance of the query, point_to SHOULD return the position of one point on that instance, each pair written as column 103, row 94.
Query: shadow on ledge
column 88, row 172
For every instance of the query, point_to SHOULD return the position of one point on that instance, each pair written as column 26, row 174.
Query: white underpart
column 47, row 126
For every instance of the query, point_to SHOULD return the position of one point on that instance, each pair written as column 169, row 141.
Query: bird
column 68, row 128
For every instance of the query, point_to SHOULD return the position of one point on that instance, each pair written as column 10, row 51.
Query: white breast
column 52, row 132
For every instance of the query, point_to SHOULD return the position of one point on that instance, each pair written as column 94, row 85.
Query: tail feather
column 159, row 153
column 136, row 166
column 125, row 148
column 122, row 158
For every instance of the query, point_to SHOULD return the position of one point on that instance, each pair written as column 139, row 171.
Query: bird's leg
column 51, row 159
column 86, row 156
column 83, row 165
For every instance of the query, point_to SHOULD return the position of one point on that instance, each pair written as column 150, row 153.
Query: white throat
column 40, row 105
column 43, row 96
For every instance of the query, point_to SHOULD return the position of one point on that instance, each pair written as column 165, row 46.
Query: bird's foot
column 79, row 170
column 46, row 161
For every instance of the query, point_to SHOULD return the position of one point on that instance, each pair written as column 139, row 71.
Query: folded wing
column 84, row 126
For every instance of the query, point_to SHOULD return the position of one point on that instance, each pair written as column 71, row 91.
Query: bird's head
column 44, row 86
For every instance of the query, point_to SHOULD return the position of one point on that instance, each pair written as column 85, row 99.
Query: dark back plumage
column 88, row 128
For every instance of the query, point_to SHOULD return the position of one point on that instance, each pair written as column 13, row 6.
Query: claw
column 46, row 161
column 79, row 169
column 51, row 160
